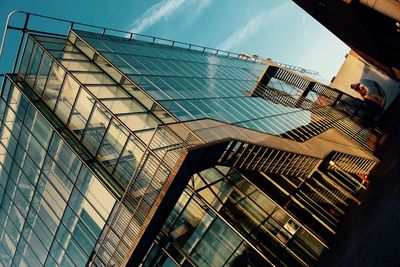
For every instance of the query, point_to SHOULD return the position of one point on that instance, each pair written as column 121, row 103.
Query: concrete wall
column 355, row 68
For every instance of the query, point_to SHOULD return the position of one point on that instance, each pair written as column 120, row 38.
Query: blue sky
column 277, row 29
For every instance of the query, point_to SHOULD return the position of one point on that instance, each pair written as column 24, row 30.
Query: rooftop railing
column 25, row 22
column 296, row 68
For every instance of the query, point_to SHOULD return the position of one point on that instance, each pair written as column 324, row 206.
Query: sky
column 276, row 29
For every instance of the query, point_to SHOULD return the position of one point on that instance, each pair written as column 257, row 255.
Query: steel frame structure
column 169, row 156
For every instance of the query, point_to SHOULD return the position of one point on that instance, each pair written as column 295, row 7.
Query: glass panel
column 17, row 102
column 84, row 48
column 127, row 164
column 32, row 146
column 81, row 112
column 246, row 256
column 110, row 70
column 139, row 121
column 27, row 165
column 146, row 135
column 217, row 245
column 92, row 78
column 33, row 65
column 96, row 128
column 79, row 230
column 34, row 243
column 85, row 212
column 52, row 40
column 57, row 178
column 39, row 128
column 162, row 115
column 72, row 65
column 96, row 193
column 34, row 197
column 60, row 256
column 28, row 255
column 53, row 85
column 53, row 198
column 138, row 94
column 67, row 98
column 112, row 145
column 46, row 213
column 14, row 125
column 70, row 245
column 103, row 91
column 68, row 55
column 123, row 106
column 5, row 256
column 63, row 45
column 263, row 202
column 42, row 74
column 65, row 159
column 27, row 56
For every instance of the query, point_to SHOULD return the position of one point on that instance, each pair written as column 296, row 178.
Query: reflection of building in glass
column 121, row 151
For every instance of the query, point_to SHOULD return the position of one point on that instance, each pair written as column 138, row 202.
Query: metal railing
column 244, row 149
column 296, row 68
column 333, row 101
column 25, row 26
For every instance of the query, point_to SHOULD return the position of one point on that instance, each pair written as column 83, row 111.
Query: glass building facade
column 53, row 207
column 118, row 151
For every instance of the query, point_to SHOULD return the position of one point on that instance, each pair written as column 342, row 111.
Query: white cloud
column 199, row 6
column 166, row 8
column 155, row 13
column 254, row 25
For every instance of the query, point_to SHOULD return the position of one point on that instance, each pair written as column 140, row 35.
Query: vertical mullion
column 47, row 79
column 73, row 106
column 120, row 154
column 103, row 137
column 88, row 120
column 37, row 71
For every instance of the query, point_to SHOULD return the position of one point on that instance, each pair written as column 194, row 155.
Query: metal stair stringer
column 178, row 150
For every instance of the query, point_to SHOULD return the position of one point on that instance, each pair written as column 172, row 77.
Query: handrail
column 333, row 95
column 108, row 31
column 207, row 130
column 296, row 68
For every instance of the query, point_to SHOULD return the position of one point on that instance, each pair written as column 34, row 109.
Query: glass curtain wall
column 52, row 207
column 96, row 109
column 195, row 85
column 222, row 219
